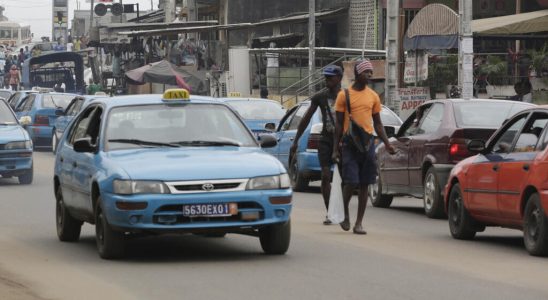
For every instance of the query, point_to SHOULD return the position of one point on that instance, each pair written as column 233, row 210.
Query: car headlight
column 269, row 182
column 18, row 145
column 130, row 187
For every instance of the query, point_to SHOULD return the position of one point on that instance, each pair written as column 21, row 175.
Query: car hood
column 195, row 163
column 12, row 133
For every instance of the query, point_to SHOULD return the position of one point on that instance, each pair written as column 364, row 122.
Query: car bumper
column 15, row 162
column 164, row 213
column 442, row 173
column 309, row 165
column 41, row 135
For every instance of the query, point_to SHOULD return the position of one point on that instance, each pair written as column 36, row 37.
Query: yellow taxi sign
column 176, row 94
column 234, row 94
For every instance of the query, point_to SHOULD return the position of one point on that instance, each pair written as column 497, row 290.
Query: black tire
column 461, row 223
column 27, row 177
column 54, row 142
column 298, row 182
column 110, row 243
column 535, row 227
column 432, row 198
column 68, row 228
column 378, row 199
column 275, row 238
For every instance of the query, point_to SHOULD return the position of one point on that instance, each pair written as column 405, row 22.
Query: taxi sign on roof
column 234, row 94
column 176, row 94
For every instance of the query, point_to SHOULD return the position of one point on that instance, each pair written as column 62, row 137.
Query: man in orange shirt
column 358, row 169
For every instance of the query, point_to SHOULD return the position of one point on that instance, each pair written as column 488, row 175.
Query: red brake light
column 458, row 152
column 313, row 142
column 40, row 120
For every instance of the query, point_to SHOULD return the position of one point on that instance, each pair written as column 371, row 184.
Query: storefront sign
column 411, row 98
column 412, row 65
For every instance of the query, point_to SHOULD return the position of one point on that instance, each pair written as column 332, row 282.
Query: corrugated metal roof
column 434, row 19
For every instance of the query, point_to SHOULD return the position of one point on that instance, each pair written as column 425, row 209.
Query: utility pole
column 311, row 45
column 466, row 50
column 169, row 9
column 391, row 98
column 91, row 15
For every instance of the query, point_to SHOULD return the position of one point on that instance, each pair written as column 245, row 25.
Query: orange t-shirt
column 363, row 105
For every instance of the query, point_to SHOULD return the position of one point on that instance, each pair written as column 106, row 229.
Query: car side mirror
column 267, row 140
column 59, row 112
column 270, row 126
column 476, row 146
column 26, row 120
column 390, row 131
column 84, row 145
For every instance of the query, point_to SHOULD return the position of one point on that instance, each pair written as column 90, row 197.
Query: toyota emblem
column 208, row 187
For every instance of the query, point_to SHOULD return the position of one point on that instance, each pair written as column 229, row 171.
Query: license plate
column 210, row 210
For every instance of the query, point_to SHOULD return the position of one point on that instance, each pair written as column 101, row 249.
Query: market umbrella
column 165, row 72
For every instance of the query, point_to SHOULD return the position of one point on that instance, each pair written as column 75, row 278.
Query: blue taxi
column 15, row 146
column 171, row 163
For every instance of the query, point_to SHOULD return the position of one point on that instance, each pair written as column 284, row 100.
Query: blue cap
column 332, row 70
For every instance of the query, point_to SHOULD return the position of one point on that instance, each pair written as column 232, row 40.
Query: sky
column 38, row 13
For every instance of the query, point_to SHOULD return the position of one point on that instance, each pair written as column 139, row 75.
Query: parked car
column 43, row 109
column 306, row 166
column 74, row 107
column 17, row 97
column 430, row 142
column 506, row 184
column 203, row 172
column 15, row 146
column 257, row 112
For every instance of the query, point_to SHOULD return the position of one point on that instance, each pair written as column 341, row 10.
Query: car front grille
column 207, row 186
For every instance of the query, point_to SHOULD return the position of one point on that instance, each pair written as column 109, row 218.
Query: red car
column 506, row 183
column 430, row 142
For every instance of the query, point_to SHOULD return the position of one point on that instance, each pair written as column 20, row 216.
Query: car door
column 69, row 160
column 84, row 165
column 284, row 123
column 422, row 143
column 514, row 170
column 482, row 176
column 72, row 110
column 287, row 134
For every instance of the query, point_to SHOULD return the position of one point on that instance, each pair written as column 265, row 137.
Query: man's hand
column 390, row 149
column 335, row 156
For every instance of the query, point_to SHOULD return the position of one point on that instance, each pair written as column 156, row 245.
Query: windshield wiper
column 143, row 143
column 208, row 143
column 7, row 123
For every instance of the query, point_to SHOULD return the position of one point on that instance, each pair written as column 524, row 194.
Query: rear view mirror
column 390, row 131
column 476, row 146
column 267, row 140
column 26, row 120
column 84, row 145
column 270, row 126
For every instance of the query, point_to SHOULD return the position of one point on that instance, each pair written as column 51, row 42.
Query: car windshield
column 258, row 110
column 57, row 100
column 485, row 114
column 388, row 118
column 6, row 116
column 195, row 125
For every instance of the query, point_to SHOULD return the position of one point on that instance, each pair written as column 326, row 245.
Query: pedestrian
column 59, row 87
column 21, row 58
column 325, row 100
column 264, row 93
column 15, row 78
column 358, row 169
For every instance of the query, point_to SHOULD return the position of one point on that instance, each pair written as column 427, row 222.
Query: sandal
column 359, row 230
column 345, row 225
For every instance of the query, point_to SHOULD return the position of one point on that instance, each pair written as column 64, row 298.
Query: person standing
column 325, row 100
column 358, row 169
column 15, row 78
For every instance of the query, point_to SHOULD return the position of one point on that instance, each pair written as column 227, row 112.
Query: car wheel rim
column 53, row 142
column 60, row 212
column 429, row 190
column 374, row 189
column 456, row 208
column 533, row 227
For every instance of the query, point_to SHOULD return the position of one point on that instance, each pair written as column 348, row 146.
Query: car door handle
column 526, row 167
column 75, row 164
column 291, row 139
column 61, row 159
column 495, row 168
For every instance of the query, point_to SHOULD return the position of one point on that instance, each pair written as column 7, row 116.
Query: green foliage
column 539, row 59
column 496, row 70
column 443, row 72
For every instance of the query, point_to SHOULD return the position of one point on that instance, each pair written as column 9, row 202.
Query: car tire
column 378, row 199
column 27, row 177
column 535, row 227
column 54, row 142
column 461, row 223
column 432, row 198
column 110, row 243
column 275, row 238
column 68, row 228
column 298, row 182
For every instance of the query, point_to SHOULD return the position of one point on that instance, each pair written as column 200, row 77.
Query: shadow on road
column 408, row 209
column 514, row 242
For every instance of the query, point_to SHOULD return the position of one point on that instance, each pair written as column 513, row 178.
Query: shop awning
column 436, row 26
column 524, row 23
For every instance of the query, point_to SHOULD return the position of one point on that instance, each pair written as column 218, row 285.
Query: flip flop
column 345, row 225
column 359, row 230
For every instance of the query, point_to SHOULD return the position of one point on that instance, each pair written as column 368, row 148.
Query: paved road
column 403, row 256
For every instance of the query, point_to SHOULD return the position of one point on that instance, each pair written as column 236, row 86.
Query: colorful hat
column 363, row 65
